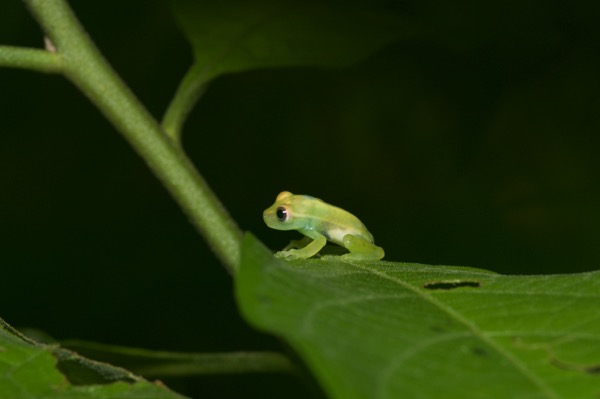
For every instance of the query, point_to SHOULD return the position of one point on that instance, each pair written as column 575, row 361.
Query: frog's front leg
column 361, row 249
column 295, row 244
column 306, row 252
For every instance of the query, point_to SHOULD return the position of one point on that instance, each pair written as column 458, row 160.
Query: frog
column 319, row 222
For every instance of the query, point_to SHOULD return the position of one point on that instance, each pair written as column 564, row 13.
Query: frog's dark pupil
column 282, row 213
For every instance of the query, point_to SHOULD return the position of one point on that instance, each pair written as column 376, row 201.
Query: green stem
column 218, row 363
column 33, row 59
column 188, row 93
column 158, row 364
column 90, row 72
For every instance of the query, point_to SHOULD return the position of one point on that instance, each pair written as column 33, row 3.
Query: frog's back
column 337, row 223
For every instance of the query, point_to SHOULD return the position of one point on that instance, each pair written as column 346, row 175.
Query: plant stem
column 159, row 364
column 218, row 363
column 33, row 59
column 90, row 72
column 188, row 93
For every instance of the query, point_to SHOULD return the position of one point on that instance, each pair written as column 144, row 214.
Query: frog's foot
column 303, row 253
column 361, row 249
column 287, row 255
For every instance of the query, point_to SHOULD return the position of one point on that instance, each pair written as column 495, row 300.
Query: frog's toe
column 287, row 255
column 360, row 257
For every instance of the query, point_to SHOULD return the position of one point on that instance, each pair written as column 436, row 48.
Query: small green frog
column 319, row 222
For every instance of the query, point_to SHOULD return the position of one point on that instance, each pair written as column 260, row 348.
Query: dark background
column 475, row 144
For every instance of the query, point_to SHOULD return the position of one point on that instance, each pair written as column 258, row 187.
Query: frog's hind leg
column 361, row 249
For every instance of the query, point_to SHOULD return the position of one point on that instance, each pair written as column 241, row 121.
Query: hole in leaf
column 450, row 285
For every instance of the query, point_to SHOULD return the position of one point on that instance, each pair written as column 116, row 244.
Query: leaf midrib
column 544, row 388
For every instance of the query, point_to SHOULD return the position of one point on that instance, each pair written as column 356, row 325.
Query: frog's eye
column 282, row 214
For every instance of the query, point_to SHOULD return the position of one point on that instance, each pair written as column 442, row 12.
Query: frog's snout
column 267, row 216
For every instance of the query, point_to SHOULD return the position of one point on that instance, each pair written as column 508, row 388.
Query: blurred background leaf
column 235, row 35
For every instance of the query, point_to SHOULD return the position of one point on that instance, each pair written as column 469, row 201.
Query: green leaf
column 237, row 35
column 29, row 370
column 395, row 330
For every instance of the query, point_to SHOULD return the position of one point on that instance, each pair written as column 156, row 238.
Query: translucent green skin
column 319, row 222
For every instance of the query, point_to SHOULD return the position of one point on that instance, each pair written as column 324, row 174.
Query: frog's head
column 281, row 215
